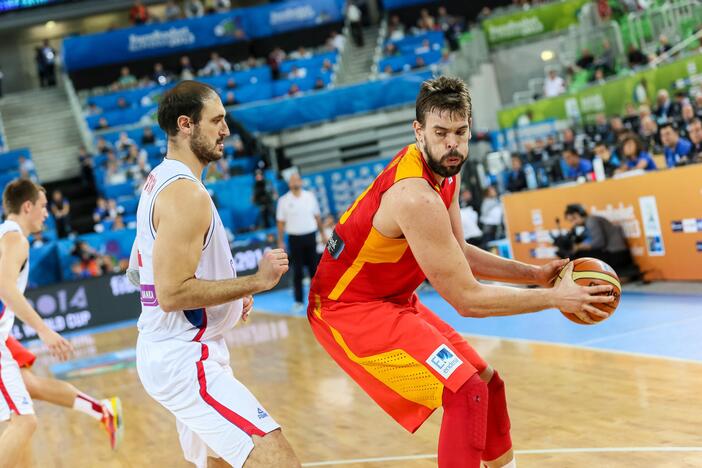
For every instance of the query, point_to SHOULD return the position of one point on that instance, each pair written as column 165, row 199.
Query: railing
column 77, row 111
column 645, row 27
column 677, row 48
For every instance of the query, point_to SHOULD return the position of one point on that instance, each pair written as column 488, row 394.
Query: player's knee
column 469, row 406
column 273, row 449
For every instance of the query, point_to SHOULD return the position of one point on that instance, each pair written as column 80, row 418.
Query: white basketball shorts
column 14, row 397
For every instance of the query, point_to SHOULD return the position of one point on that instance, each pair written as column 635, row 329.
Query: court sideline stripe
column 517, row 452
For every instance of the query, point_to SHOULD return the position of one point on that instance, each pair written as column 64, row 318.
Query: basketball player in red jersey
column 406, row 227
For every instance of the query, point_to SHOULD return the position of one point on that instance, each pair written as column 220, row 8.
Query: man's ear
column 184, row 124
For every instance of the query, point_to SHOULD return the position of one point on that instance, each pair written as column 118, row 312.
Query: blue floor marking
column 659, row 324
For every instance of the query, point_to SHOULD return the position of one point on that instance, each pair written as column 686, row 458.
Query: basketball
column 589, row 271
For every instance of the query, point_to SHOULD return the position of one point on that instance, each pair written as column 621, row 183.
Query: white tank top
column 216, row 263
column 7, row 317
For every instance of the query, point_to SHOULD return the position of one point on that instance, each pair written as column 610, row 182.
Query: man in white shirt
column 553, row 85
column 298, row 216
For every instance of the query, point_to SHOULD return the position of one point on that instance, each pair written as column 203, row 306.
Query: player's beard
column 445, row 171
column 202, row 149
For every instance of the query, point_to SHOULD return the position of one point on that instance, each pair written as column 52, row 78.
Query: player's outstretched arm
column 439, row 255
column 14, row 250
column 488, row 266
column 182, row 216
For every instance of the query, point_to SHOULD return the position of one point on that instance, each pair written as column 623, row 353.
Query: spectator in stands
column 601, row 239
column 337, row 41
column 586, row 60
column 264, row 198
column 300, row 53
column 275, row 58
column 138, row 14
column 87, row 164
column 396, row 30
column 118, row 223
column 698, row 105
column 604, row 10
column 554, row 85
column 115, row 174
column 160, row 76
column 425, row 22
column 617, row 128
column 217, row 6
column 216, row 66
column 610, row 161
column 294, row 90
column 38, row 240
column 102, row 123
column 231, row 83
column 327, row 66
column 687, row 113
column 354, row 17
column 113, row 209
column 46, row 64
column 122, row 103
column 124, row 142
column 328, row 224
column 93, row 109
column 87, row 265
column 664, row 106
column 391, row 50
column 635, row 57
column 423, row 48
column 469, row 219
column 148, row 137
column 187, row 72
column 25, row 164
column 516, row 178
column 577, row 166
column 297, row 72
column 635, row 157
column 631, row 119
column 230, row 99
column 172, row 11
column 298, row 217
column 103, row 146
column 126, row 80
column 419, row 63
column 598, row 77
column 61, row 210
column 217, row 171
column 676, row 149
column 491, row 215
column 607, row 60
column 193, row 8
column 386, row 73
column 100, row 213
column 319, row 84
column 694, row 130
column 651, row 136
column 663, row 45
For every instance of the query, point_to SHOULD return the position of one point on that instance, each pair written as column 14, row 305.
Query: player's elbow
column 167, row 300
column 470, row 311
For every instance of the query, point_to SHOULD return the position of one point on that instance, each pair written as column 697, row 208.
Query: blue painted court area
column 665, row 325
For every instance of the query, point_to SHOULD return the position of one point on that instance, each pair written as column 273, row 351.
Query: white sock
column 88, row 405
column 512, row 464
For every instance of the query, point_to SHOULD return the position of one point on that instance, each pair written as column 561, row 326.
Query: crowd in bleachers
column 666, row 135
column 429, row 42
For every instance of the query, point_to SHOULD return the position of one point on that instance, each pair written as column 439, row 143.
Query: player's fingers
column 599, row 289
column 582, row 315
column 592, row 310
column 599, row 299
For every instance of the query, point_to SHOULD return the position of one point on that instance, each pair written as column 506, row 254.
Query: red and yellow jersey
column 360, row 264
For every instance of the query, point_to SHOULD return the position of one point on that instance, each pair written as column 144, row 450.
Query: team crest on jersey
column 444, row 361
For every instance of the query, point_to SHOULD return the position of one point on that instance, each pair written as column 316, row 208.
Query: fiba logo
column 444, row 361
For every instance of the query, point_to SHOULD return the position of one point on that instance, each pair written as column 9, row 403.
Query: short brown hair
column 186, row 98
column 630, row 136
column 443, row 94
column 17, row 193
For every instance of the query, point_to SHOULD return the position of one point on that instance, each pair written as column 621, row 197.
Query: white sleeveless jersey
column 216, row 263
column 7, row 317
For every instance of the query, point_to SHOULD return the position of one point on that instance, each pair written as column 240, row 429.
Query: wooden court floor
column 562, row 399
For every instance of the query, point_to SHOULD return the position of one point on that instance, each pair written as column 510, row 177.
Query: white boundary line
column 517, row 452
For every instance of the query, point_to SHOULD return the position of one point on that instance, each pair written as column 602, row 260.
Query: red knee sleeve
column 462, row 436
column 498, row 440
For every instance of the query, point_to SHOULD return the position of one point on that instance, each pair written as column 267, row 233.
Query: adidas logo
column 262, row 414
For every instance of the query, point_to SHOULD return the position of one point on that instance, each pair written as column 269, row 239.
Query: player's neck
column 186, row 156
column 26, row 231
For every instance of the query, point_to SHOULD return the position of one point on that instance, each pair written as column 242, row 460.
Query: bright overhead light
column 50, row 24
column 547, row 55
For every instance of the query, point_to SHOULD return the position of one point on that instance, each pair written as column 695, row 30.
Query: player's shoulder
column 414, row 191
column 14, row 240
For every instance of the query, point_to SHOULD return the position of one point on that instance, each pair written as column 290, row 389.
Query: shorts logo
column 444, row 361
column 262, row 414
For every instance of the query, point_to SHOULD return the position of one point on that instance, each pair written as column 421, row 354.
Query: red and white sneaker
column 113, row 421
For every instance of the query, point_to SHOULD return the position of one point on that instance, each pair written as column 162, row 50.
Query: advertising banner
column 533, row 22
column 609, row 98
column 153, row 40
column 660, row 213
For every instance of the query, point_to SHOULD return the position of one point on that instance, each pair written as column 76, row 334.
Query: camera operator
column 601, row 239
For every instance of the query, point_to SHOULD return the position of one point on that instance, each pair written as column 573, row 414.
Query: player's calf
column 273, row 449
column 498, row 443
column 15, row 438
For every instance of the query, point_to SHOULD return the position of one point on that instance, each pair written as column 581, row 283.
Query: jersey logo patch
column 444, row 361
column 335, row 245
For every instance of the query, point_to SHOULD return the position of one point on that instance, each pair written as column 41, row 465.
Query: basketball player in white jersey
column 25, row 207
column 190, row 296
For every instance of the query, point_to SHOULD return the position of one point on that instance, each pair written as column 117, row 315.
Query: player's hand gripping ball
column 589, row 271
